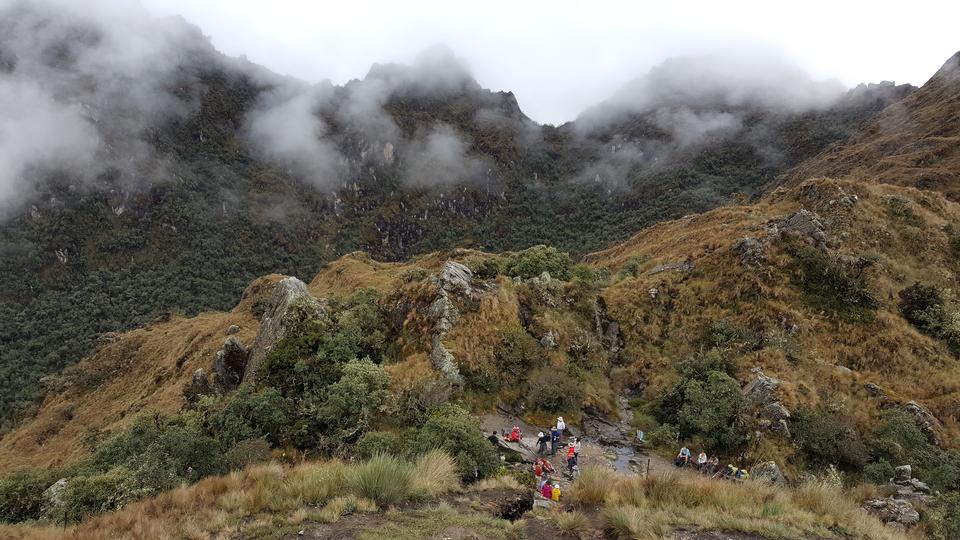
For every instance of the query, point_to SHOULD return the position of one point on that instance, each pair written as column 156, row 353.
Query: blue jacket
column 555, row 435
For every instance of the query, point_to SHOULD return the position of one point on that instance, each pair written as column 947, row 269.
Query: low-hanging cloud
column 440, row 158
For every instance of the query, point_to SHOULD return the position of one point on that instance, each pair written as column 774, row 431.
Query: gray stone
column 750, row 250
column 455, row 278
column 229, row 365
column 775, row 412
column 233, row 329
column 549, row 340
column 892, row 510
column 289, row 304
column 926, row 421
column 444, row 361
column 52, row 506
column 769, row 472
column 903, row 473
column 683, row 267
column 917, row 485
column 802, row 224
column 199, row 385
column 443, row 312
column 874, row 390
column 761, row 389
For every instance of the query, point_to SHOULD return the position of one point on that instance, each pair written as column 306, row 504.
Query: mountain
column 911, row 144
column 177, row 175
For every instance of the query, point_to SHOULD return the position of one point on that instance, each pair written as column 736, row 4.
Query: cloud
column 440, row 158
column 287, row 128
column 39, row 134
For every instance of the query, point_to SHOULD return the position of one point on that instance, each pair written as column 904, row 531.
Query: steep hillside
column 912, row 143
column 209, row 171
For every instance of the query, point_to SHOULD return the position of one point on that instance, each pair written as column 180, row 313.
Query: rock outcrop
column 803, row 225
column 455, row 281
column 52, row 506
column 230, row 365
column 290, row 304
column 750, row 250
column 768, row 471
column 896, row 513
column 771, row 413
column 925, row 420
column 199, row 385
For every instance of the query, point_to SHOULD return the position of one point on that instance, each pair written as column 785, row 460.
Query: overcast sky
column 560, row 57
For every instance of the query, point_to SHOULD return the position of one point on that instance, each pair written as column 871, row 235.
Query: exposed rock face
column 549, row 340
column 751, row 251
column 52, row 507
column 926, row 421
column 289, row 304
column 802, row 224
column 760, row 390
column 199, row 385
column 444, row 361
column 907, row 487
column 768, row 471
column 682, row 267
column 893, row 511
column 454, row 280
column 229, row 366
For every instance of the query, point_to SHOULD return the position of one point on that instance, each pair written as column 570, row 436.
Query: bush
column 922, row 305
column 827, row 283
column 352, row 402
column 250, row 415
column 435, row 473
column 879, row 472
column 536, row 260
column 379, row 442
column 663, row 436
column 552, row 390
column 248, row 452
column 712, row 409
column 517, row 354
column 483, row 267
column 945, row 517
column 631, row 268
column 827, row 440
column 86, row 495
column 455, row 431
column 21, row 494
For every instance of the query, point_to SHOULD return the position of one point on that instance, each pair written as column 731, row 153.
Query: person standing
column 577, row 445
column 554, row 440
column 562, row 426
column 542, row 443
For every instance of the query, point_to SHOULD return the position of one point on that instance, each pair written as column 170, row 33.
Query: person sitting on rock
column 701, row 462
column 515, row 434
column 712, row 464
column 683, row 458
column 546, row 490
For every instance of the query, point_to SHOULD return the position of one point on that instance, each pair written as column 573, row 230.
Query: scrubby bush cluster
column 536, row 260
column 925, row 307
column 830, row 283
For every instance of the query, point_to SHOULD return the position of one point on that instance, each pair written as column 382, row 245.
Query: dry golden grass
column 502, row 481
column 651, row 507
column 262, row 495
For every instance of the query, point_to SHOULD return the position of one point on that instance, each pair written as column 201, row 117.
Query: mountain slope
column 912, row 143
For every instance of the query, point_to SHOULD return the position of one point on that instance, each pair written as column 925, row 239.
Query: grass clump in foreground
column 443, row 521
column 264, row 501
column 637, row 507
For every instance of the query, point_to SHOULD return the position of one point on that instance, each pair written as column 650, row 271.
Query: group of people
column 554, row 436
column 709, row 466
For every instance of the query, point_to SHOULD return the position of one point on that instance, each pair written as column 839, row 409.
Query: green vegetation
column 536, row 260
column 828, row 283
column 925, row 307
column 825, row 438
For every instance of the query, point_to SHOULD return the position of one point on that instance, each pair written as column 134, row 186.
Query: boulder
column 455, row 278
column 750, row 250
column 229, row 365
column 549, row 340
column 232, row 329
column 926, row 421
column 760, row 390
column 290, row 304
column 52, row 506
column 802, row 224
column 903, row 473
column 769, row 472
column 775, row 412
column 199, row 385
column 892, row 510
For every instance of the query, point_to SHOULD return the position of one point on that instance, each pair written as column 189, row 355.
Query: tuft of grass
column 342, row 506
column 622, row 522
column 593, row 485
column 572, row 523
column 502, row 481
column 386, row 479
column 435, row 473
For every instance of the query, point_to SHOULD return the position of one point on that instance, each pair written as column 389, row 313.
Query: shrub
column 663, row 436
column 829, row 284
column 247, row 452
column 631, row 268
column 483, row 267
column 21, row 494
column 517, row 354
column 589, row 275
column 878, row 472
column 86, row 495
column 373, row 443
column 572, row 523
column 721, row 333
column 827, row 440
column 250, row 415
column 945, row 517
column 593, row 485
column 536, row 260
column 552, row 390
column 384, row 479
column 922, row 305
column 352, row 402
column 456, row 432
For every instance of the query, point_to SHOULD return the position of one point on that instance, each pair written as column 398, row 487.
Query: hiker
column 515, row 434
column 555, row 492
column 712, row 465
column 571, row 457
column 545, row 465
column 576, row 447
column 701, row 461
column 554, row 440
column 546, row 490
column 741, row 475
column 494, row 438
column 561, row 426
column 683, row 458
column 542, row 443
column 727, row 473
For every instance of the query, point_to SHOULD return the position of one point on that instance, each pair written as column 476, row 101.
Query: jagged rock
column 874, row 390
column 199, row 385
column 229, row 365
column 926, row 421
column 802, row 224
column 455, row 278
column 775, row 412
column 289, row 304
column 917, row 485
column 761, row 389
column 892, row 510
column 444, row 361
column 549, row 340
column 52, row 506
column 768, row 471
column 781, row 427
column 443, row 312
column 751, row 251
column 684, row 267
column 233, row 329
